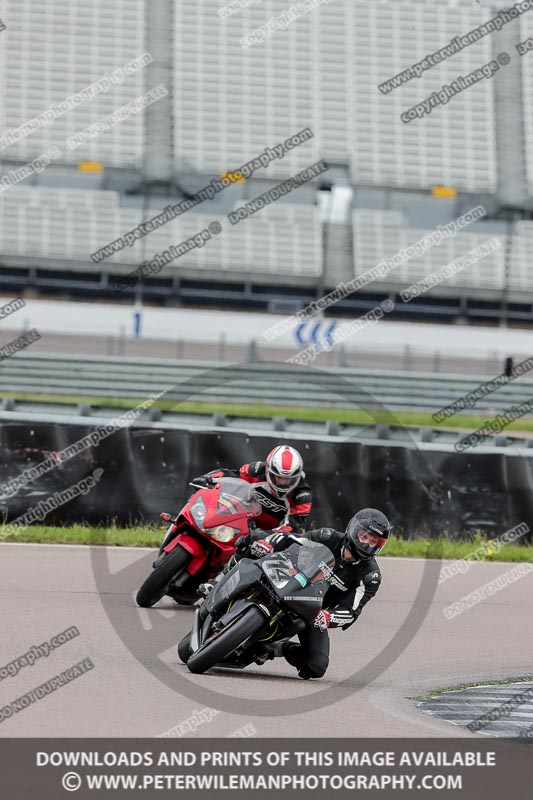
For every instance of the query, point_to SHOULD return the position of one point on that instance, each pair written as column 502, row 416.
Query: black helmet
column 367, row 533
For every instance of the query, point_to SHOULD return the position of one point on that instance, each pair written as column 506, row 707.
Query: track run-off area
column 403, row 647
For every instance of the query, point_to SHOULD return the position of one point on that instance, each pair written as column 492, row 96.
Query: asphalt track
column 45, row 589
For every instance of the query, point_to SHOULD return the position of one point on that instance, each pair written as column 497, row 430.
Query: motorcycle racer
column 354, row 581
column 280, row 488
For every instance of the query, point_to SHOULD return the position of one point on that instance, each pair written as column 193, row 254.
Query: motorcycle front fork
column 169, row 535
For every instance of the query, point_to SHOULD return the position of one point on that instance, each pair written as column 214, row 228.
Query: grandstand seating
column 321, row 72
column 526, row 31
column 378, row 235
column 54, row 50
column 282, row 239
column 74, row 223
column 455, row 144
column 521, row 257
column 222, row 91
column 230, row 103
column 219, row 100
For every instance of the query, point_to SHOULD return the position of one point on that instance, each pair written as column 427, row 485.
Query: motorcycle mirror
column 165, row 517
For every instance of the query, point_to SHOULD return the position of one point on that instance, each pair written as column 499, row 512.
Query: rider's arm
column 346, row 612
column 253, row 473
column 227, row 472
column 244, row 544
column 281, row 539
column 223, row 473
column 300, row 502
column 209, row 479
column 248, row 472
column 267, row 543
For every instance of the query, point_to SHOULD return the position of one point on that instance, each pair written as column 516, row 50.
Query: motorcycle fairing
column 244, row 575
column 297, row 576
column 192, row 546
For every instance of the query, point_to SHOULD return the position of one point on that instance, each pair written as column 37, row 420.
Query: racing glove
column 241, row 545
column 204, row 480
column 261, row 548
column 322, row 620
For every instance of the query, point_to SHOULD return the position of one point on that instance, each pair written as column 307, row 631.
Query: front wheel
column 223, row 644
column 184, row 648
column 157, row 583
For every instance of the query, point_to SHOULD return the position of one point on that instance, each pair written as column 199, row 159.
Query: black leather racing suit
column 353, row 584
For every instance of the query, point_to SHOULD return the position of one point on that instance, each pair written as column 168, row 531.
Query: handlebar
column 210, row 485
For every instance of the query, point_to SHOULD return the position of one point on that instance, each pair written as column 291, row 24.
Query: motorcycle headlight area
column 198, row 511
column 222, row 533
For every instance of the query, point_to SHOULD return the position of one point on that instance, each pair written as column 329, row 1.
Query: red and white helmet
column 284, row 468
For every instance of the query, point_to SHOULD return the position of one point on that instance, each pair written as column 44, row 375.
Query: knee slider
column 317, row 665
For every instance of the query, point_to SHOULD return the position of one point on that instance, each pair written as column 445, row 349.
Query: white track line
column 75, row 546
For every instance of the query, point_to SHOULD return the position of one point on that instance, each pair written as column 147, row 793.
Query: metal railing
column 269, row 384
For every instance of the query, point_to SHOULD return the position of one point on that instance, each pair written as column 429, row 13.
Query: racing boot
column 291, row 652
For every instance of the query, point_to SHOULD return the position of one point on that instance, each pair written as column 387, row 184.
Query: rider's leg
column 311, row 656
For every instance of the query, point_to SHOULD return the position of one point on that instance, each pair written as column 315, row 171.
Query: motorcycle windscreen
column 233, row 502
column 299, row 576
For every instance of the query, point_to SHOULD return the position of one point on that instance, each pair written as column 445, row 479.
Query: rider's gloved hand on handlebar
column 204, row 480
column 261, row 548
column 242, row 550
column 242, row 544
column 322, row 620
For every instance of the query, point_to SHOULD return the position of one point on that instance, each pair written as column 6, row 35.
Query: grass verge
column 343, row 415
column 150, row 536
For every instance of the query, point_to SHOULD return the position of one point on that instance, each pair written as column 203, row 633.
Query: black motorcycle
column 256, row 604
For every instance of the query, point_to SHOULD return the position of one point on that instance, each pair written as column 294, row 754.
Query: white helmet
column 284, row 468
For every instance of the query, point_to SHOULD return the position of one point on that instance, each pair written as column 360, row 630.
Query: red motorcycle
column 199, row 541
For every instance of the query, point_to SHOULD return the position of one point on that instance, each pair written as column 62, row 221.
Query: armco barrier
column 425, row 489
column 263, row 382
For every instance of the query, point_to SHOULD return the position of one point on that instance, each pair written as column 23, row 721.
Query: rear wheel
column 224, row 643
column 158, row 581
